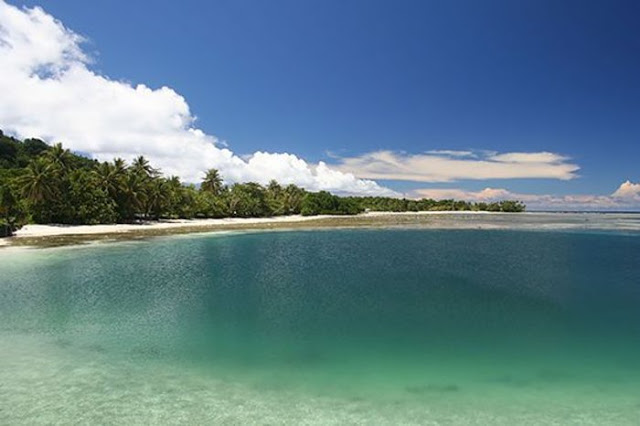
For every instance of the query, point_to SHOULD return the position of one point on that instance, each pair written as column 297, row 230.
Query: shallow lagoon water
column 319, row 327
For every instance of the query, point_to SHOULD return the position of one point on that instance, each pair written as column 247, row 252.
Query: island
column 43, row 184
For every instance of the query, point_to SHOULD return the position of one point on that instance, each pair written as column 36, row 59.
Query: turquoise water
column 325, row 327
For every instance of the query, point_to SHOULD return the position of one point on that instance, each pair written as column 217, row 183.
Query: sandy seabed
column 59, row 235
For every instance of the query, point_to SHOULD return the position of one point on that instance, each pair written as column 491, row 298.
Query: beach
column 60, row 235
column 55, row 230
column 57, row 234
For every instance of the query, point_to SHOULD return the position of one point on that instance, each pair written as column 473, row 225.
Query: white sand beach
column 58, row 230
column 43, row 235
column 55, row 230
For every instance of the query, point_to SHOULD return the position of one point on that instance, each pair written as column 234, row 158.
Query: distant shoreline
column 58, row 235
column 63, row 235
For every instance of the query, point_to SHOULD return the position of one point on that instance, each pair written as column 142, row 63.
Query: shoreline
column 50, row 235
column 62, row 235
column 37, row 230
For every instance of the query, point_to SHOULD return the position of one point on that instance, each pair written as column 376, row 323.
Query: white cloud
column 529, row 158
column 627, row 196
column 435, row 167
column 451, row 153
column 628, row 190
column 487, row 194
column 48, row 91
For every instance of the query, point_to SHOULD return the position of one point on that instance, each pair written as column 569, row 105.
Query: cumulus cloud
column 629, row 191
column 626, row 197
column 48, row 90
column 448, row 166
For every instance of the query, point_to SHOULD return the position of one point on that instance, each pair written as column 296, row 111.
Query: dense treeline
column 49, row 184
column 388, row 204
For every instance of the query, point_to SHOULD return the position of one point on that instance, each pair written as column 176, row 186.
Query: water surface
column 344, row 326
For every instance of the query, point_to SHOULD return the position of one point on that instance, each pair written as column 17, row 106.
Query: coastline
column 30, row 231
column 61, row 235
column 58, row 235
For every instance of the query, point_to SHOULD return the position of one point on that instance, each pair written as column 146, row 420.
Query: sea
column 532, row 323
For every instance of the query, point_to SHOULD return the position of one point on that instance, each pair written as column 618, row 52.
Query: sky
column 536, row 100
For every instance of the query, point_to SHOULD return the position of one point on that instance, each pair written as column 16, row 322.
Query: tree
column 9, row 149
column 157, row 198
column 51, row 184
column 33, row 148
column 142, row 167
column 39, row 187
column 292, row 199
column 188, row 202
column 38, row 181
column 88, row 202
column 109, row 177
column 511, row 206
column 209, row 205
column 133, row 196
column 275, row 198
column 59, row 158
column 248, row 200
column 8, row 203
column 212, row 182
column 120, row 165
column 174, row 189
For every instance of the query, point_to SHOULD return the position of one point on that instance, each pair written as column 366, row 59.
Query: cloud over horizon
column 449, row 166
column 49, row 92
column 627, row 196
column 628, row 191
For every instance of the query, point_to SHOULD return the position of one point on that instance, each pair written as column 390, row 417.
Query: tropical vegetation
column 40, row 183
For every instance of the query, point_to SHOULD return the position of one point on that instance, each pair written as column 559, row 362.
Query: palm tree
column 120, row 165
column 174, row 189
column 142, row 167
column 292, row 199
column 275, row 197
column 174, row 182
column 109, row 178
column 134, row 194
column 212, row 182
column 59, row 157
column 157, row 198
column 39, row 181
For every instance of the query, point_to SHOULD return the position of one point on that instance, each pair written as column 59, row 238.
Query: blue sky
column 327, row 80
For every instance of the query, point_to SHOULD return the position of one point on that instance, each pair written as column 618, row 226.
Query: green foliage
column 248, row 200
column 209, row 205
column 212, row 182
column 427, row 204
column 50, row 184
column 315, row 203
column 11, row 208
column 292, row 198
column 86, row 202
column 17, row 154
column 9, row 149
